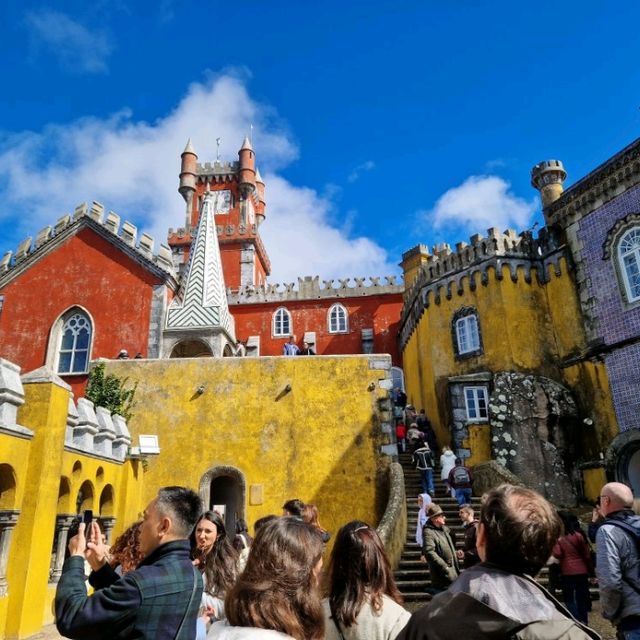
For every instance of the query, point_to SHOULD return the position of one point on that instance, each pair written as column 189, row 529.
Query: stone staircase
column 412, row 575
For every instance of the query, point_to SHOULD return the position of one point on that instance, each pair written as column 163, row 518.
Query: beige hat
column 434, row 510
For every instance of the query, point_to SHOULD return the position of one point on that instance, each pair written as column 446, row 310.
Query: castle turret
column 247, row 177
column 261, row 201
column 548, row 178
column 188, row 170
column 412, row 260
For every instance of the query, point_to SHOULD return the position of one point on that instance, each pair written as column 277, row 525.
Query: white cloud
column 77, row 48
column 369, row 165
column 132, row 167
column 481, row 202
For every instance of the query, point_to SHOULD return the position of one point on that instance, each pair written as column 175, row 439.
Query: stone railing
column 392, row 528
column 127, row 232
column 91, row 430
column 94, row 430
column 311, row 288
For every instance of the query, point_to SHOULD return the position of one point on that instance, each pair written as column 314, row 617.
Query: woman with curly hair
column 364, row 601
column 277, row 595
column 213, row 553
column 125, row 554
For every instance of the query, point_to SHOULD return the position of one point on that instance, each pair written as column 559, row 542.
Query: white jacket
column 447, row 462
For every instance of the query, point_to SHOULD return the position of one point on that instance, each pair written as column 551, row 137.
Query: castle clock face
column 222, row 202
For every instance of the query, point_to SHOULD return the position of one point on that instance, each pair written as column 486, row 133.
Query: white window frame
column 57, row 333
column 628, row 258
column 473, row 405
column 341, row 318
column 277, row 327
column 467, row 334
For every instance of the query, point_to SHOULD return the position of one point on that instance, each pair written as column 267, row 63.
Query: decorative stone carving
column 87, row 426
column 63, row 522
column 8, row 521
column 103, row 440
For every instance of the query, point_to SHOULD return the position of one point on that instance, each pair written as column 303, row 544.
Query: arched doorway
column 223, row 489
column 191, row 349
column 623, row 459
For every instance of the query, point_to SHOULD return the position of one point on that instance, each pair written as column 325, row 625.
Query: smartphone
column 87, row 518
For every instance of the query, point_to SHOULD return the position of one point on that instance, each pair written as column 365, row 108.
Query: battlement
column 445, row 272
column 217, row 168
column 126, row 232
column 443, row 261
column 311, row 288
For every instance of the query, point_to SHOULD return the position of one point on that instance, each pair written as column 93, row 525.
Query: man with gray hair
column 159, row 600
column 617, row 560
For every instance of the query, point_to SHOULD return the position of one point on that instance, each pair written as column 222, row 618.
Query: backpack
column 461, row 476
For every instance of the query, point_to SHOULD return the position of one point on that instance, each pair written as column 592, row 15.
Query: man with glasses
column 617, row 560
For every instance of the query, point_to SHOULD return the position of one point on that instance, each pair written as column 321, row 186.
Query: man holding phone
column 159, row 600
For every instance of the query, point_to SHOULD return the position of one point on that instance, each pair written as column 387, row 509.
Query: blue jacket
column 148, row 603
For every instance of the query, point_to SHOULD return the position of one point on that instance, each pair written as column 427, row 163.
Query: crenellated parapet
column 312, row 288
column 446, row 273
column 217, row 172
column 141, row 244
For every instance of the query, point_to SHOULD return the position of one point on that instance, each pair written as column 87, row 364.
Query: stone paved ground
column 595, row 620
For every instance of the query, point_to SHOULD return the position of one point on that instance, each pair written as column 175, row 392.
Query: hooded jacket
column 489, row 603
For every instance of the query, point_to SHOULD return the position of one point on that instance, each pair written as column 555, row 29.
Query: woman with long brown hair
column 217, row 560
column 277, row 595
column 363, row 600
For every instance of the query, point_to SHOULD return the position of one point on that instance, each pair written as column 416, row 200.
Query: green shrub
column 109, row 392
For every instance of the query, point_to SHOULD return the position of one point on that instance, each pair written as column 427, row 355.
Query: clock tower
column 238, row 192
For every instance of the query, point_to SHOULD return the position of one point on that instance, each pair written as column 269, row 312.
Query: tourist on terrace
column 290, row 348
column 363, row 600
column 277, row 595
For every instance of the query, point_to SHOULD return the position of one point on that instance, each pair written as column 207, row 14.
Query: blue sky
column 377, row 125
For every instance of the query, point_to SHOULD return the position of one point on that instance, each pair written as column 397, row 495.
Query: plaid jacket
column 148, row 603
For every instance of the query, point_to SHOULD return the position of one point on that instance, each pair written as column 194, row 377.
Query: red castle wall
column 87, row 271
column 380, row 313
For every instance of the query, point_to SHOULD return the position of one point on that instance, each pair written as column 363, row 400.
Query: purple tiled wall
column 615, row 321
column 624, row 378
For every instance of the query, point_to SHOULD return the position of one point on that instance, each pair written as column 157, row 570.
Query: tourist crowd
column 179, row 574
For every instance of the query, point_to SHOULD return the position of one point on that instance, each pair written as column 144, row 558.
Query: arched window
column 282, row 322
column 466, row 333
column 629, row 262
column 338, row 319
column 75, row 343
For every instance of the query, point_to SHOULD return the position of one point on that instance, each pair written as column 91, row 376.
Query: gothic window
column 476, row 401
column 466, row 333
column 282, row 322
column 629, row 263
column 75, row 343
column 338, row 319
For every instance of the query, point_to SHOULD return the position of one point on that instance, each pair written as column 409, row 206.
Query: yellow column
column 44, row 412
